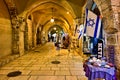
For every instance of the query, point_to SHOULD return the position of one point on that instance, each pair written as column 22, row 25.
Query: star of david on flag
column 79, row 31
column 92, row 24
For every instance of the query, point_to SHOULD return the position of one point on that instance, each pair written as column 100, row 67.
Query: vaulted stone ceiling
column 41, row 10
column 26, row 4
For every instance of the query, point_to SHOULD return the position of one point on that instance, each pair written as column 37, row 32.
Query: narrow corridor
column 36, row 65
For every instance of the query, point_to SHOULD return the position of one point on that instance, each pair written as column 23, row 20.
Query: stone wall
column 5, row 37
column 110, row 10
column 34, row 32
column 5, row 31
column 30, row 38
column 21, row 38
column 116, row 16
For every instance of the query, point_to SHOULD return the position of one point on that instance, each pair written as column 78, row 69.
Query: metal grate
column 55, row 62
column 36, row 51
column 14, row 74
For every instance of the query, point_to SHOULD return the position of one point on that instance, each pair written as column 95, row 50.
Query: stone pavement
column 36, row 65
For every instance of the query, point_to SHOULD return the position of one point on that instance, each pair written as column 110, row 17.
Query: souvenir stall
column 99, row 69
column 97, row 66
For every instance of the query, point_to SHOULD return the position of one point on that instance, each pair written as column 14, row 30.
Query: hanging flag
column 92, row 24
column 75, row 29
column 80, row 32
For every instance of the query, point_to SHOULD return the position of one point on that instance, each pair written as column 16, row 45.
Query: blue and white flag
column 75, row 30
column 79, row 31
column 92, row 24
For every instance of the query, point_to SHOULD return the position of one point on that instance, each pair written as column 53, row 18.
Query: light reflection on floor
column 36, row 65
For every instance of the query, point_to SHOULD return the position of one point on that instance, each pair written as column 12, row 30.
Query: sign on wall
column 100, row 49
column 111, row 53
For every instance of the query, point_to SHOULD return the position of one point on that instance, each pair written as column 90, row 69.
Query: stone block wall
column 29, row 22
column 116, row 8
column 5, row 37
column 21, row 38
column 110, row 10
column 5, row 31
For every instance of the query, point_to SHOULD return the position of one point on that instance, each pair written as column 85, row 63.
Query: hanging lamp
column 52, row 19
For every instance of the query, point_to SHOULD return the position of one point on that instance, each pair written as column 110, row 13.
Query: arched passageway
column 26, row 24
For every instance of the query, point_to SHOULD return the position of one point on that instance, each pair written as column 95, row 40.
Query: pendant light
column 52, row 19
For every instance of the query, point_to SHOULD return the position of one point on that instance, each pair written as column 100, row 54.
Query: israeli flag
column 77, row 31
column 92, row 24
column 81, row 31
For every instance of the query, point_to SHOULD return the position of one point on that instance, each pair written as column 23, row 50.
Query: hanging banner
column 92, row 24
column 100, row 49
column 111, row 53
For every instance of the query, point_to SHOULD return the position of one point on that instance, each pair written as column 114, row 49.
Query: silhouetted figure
column 52, row 38
column 66, row 41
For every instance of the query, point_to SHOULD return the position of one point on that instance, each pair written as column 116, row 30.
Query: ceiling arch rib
column 62, row 4
column 41, row 11
column 42, row 14
column 57, row 18
column 59, row 22
column 29, row 5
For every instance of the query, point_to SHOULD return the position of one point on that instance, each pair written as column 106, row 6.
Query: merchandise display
column 99, row 68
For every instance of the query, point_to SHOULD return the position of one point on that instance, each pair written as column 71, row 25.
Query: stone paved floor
column 36, row 65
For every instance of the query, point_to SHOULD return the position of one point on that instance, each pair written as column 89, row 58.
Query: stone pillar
column 117, row 55
column 38, row 36
column 116, row 17
column 41, row 32
column 21, row 38
column 18, row 35
column 15, row 35
column 33, row 35
column 26, row 45
column 15, row 40
column 15, row 25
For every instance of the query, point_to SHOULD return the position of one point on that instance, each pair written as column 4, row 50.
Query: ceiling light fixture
column 54, row 28
column 52, row 19
column 67, row 12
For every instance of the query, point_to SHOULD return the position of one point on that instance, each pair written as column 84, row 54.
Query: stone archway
column 109, row 10
column 18, row 25
column 14, row 21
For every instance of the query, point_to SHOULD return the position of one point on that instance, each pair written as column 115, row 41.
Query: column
column 116, row 6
